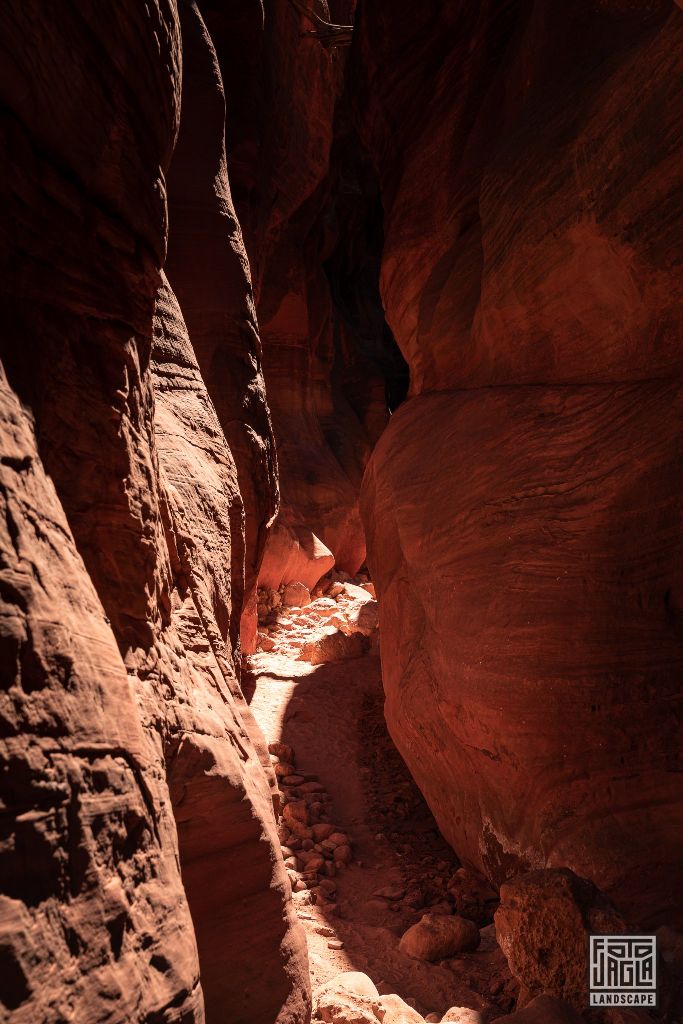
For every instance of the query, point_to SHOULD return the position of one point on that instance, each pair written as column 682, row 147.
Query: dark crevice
column 353, row 271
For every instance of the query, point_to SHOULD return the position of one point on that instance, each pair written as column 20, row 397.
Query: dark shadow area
column 353, row 271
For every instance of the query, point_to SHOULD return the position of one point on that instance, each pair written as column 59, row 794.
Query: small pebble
column 335, row 944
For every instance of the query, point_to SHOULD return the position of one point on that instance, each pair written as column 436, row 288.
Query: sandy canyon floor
column 331, row 715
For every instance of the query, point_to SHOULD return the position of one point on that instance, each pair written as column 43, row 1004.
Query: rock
column 348, row 998
column 299, row 830
column 359, row 615
column 542, row 927
column 293, row 780
column 436, row 937
column 508, row 326
column 321, row 897
column 335, row 944
column 126, row 535
column 282, row 751
column 342, row 855
column 391, row 892
column 207, row 265
column 414, row 899
column 626, row 1015
column 544, row 1010
column 670, row 947
column 462, row 1015
column 284, row 836
column 489, row 941
column 338, row 839
column 441, row 907
column 314, row 862
column 333, row 645
column 323, row 830
column 295, row 813
column 294, row 553
column 296, row 595
column 265, row 642
column 397, row 1011
column 73, row 740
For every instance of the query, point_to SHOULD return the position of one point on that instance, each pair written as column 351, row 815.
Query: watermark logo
column 623, row 970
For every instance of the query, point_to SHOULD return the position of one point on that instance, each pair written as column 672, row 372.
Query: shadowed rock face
column 93, row 916
column 208, row 269
column 252, row 959
column 327, row 401
column 120, row 627
column 523, row 507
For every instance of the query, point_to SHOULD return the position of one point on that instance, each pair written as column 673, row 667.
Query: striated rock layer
column 283, row 89
column 93, row 917
column 208, row 269
column 134, row 793
column 523, row 508
column 236, row 886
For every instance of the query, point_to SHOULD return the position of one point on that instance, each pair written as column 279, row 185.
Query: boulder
column 349, row 998
column 296, row 595
column 333, row 645
column 294, row 553
column 437, row 936
column 462, row 1015
column 542, row 926
column 397, row 1011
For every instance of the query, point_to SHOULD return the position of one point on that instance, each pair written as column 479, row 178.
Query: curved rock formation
column 252, row 956
column 147, row 483
column 208, row 269
column 93, row 917
column 523, row 508
column 282, row 94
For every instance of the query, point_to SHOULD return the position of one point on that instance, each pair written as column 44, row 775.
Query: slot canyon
column 341, row 472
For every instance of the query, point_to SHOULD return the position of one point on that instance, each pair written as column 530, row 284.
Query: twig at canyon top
column 328, row 33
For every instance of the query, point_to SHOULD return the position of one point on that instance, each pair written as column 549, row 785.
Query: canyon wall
column 283, row 90
column 523, row 508
column 141, row 876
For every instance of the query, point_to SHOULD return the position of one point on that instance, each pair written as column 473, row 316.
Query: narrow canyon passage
column 341, row 512
column 328, row 717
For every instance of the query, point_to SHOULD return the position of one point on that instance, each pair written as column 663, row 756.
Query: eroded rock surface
column 130, row 654
column 251, row 953
column 543, row 923
column 208, row 269
column 326, row 398
column 521, row 508
column 93, row 917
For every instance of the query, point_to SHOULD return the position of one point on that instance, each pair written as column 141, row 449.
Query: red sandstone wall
column 285, row 90
column 523, row 508
column 132, row 765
